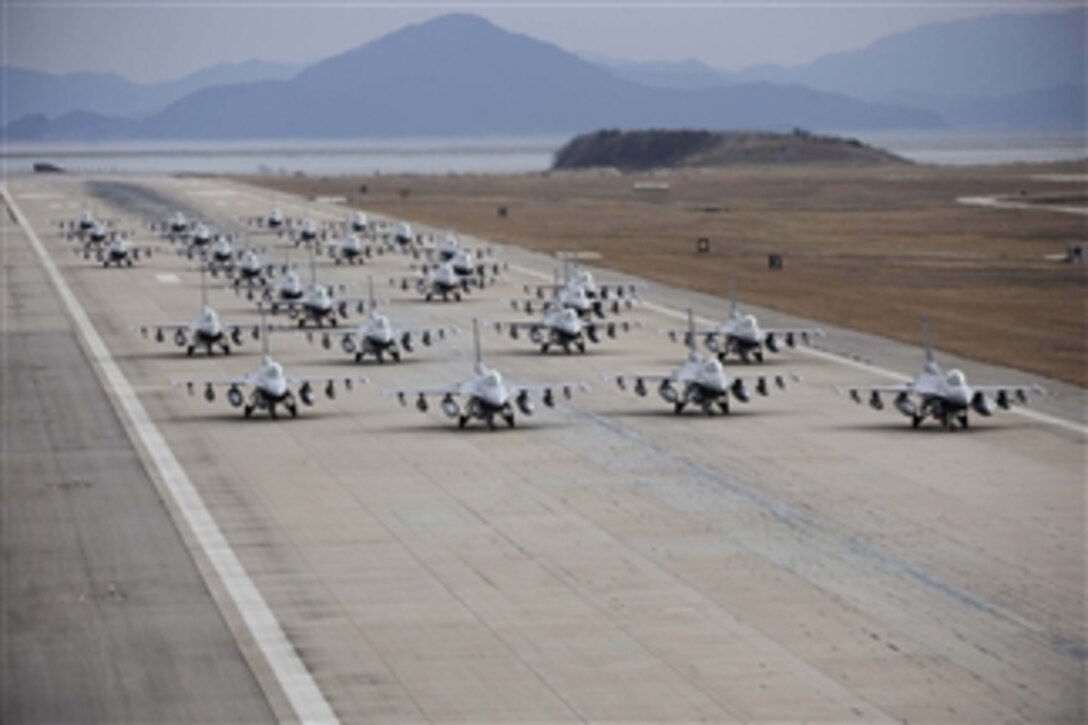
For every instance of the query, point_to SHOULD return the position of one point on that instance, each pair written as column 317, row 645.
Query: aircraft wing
column 208, row 383
column 872, row 392
column 546, row 389
column 790, row 335
column 1005, row 395
column 329, row 380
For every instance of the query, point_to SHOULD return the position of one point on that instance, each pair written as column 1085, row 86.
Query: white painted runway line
column 298, row 685
column 167, row 278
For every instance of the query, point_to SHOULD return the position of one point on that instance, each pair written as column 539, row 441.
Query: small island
column 683, row 148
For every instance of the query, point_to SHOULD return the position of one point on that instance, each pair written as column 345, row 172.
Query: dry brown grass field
column 867, row 248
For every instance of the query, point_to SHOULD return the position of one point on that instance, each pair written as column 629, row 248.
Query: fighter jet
column 377, row 336
column 348, row 248
column 356, row 223
column 945, row 397
column 403, row 234
column 196, row 242
column 274, row 221
column 742, row 336
column 486, row 394
column 120, row 252
column 176, row 227
column 437, row 280
column 205, row 332
column 573, row 297
column 316, row 304
column 93, row 239
column 580, row 283
column 80, row 225
column 307, row 233
column 268, row 387
column 220, row 255
column 561, row 327
column 250, row 273
column 699, row 381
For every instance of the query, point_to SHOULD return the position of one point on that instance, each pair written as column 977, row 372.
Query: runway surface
column 803, row 558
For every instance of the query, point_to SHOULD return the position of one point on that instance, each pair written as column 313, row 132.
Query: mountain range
column 459, row 74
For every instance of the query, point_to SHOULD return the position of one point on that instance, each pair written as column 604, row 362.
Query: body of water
column 362, row 156
column 468, row 156
column 963, row 148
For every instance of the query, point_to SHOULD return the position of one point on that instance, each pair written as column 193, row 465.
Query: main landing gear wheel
column 247, row 411
column 358, row 357
column 678, row 408
column 963, row 421
column 395, row 354
column 509, row 418
column 723, row 406
column 292, row 409
column 462, row 421
column 915, row 421
column 190, row 350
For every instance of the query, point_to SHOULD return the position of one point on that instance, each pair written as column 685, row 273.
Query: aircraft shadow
column 929, row 428
column 449, row 427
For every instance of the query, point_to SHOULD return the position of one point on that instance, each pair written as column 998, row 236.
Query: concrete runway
column 802, row 559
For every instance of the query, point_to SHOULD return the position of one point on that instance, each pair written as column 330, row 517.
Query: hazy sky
column 150, row 40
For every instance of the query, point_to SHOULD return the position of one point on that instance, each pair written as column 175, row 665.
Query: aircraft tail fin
column 264, row 332
column 927, row 340
column 691, row 330
column 476, row 340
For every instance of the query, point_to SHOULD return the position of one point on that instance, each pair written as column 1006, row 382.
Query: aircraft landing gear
column 190, row 350
column 723, row 406
column 678, row 408
column 915, row 421
column 247, row 411
column 395, row 354
column 509, row 418
column 462, row 421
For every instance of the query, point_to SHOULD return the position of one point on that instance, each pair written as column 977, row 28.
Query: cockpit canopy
column 492, row 379
column 956, row 379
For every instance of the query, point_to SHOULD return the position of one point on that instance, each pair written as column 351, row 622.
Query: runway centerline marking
column 296, row 681
column 168, row 278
